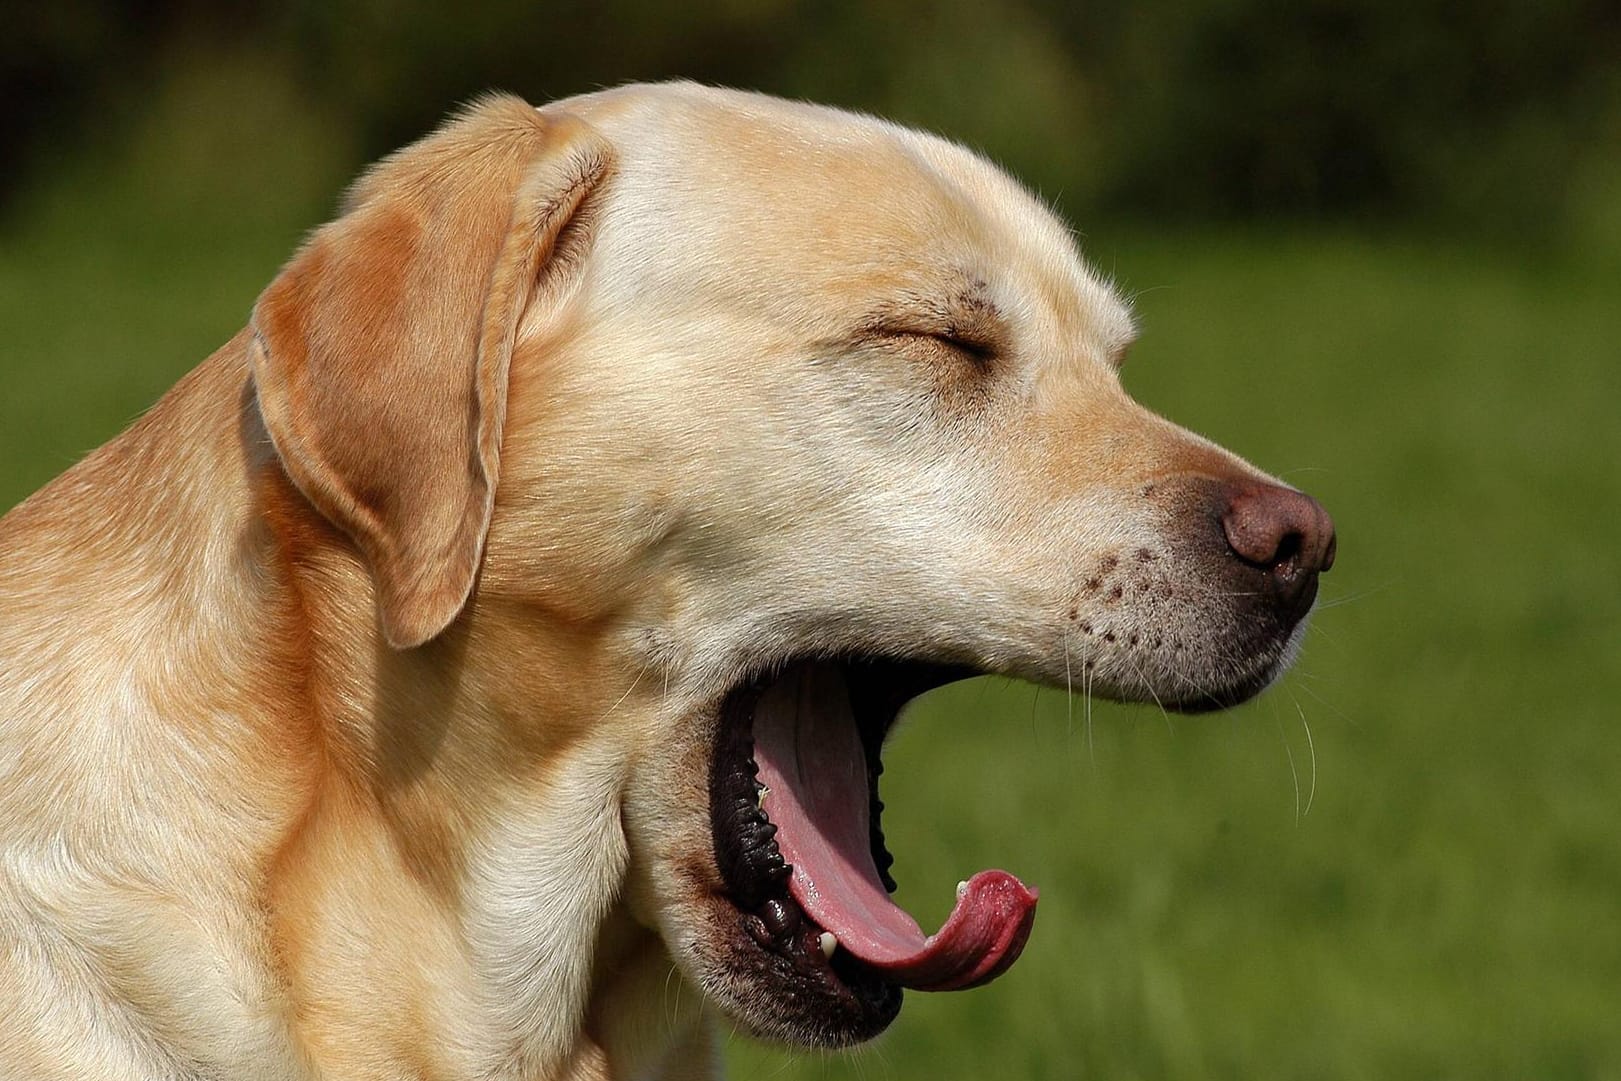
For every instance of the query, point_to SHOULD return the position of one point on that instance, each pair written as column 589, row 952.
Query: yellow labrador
column 505, row 624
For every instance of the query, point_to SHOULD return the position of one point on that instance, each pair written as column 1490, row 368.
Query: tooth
column 759, row 797
column 828, row 943
column 962, row 888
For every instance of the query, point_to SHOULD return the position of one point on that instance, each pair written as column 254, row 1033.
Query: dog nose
column 1285, row 534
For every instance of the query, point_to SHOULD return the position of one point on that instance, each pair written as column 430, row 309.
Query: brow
column 962, row 311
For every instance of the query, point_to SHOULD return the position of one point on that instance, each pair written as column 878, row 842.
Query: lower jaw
column 842, row 1005
column 1240, row 690
column 1262, row 663
column 1225, row 698
column 771, row 995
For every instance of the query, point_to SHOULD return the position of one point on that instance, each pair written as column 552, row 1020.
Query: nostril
column 1288, row 550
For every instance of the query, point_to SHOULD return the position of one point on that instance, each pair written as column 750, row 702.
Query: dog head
column 779, row 416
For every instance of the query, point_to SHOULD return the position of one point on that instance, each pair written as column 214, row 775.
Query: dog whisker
column 1294, row 773
column 1149, row 687
column 1086, row 692
column 1311, row 746
column 1035, row 700
column 674, row 1016
column 1069, row 687
column 628, row 692
column 1325, row 603
column 1325, row 703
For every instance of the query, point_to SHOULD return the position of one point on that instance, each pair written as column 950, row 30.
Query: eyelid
column 974, row 349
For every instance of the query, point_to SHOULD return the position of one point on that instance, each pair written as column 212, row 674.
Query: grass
column 1405, row 862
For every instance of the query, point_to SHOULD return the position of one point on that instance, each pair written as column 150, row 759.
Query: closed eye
column 964, row 324
column 978, row 351
column 970, row 348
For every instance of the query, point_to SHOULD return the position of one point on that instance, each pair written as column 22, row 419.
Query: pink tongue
column 810, row 757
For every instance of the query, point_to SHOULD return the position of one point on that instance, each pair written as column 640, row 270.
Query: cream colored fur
column 348, row 699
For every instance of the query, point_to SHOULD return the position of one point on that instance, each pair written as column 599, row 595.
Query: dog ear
column 380, row 353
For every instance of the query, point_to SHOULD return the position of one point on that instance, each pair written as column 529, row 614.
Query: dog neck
column 365, row 862
column 461, row 849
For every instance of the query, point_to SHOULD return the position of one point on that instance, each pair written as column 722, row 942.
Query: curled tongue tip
column 981, row 938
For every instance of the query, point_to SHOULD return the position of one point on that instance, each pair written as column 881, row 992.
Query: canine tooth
column 829, row 943
column 962, row 888
column 759, row 797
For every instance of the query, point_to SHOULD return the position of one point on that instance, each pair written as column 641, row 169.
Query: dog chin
column 1233, row 686
column 795, row 997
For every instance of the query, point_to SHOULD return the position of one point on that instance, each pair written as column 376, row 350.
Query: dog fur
column 351, row 701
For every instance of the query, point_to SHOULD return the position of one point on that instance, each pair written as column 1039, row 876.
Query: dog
column 498, row 635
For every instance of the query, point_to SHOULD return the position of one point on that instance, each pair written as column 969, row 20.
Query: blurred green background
column 1375, row 246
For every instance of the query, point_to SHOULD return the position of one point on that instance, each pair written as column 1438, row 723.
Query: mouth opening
column 798, row 836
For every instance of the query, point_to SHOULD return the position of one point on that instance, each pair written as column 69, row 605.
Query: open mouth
column 795, row 817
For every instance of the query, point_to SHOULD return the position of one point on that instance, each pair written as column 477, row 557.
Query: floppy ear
column 380, row 353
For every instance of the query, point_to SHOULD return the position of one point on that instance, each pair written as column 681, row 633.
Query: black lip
column 745, row 846
column 840, row 1001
